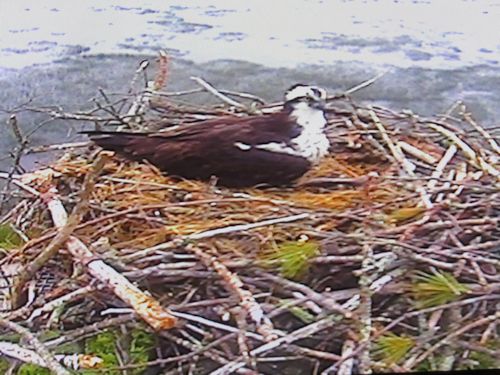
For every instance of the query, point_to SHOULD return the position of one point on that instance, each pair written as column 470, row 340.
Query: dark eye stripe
column 316, row 92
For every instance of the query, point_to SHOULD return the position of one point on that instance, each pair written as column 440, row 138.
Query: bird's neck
column 312, row 143
column 312, row 120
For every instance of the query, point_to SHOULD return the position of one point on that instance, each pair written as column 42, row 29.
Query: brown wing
column 208, row 148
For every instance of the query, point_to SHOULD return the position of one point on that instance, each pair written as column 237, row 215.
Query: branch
column 74, row 361
column 23, row 142
column 40, row 349
column 145, row 306
column 66, row 227
column 247, row 300
column 207, row 86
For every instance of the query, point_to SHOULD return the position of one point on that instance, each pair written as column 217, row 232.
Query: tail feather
column 114, row 141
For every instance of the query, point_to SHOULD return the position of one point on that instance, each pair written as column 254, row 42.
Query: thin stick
column 145, row 306
column 40, row 349
column 456, row 333
column 215, row 232
column 474, row 159
column 468, row 118
column 207, row 86
column 66, row 227
column 244, row 227
column 366, row 83
column 247, row 300
column 398, row 155
column 303, row 332
column 416, row 152
column 365, row 309
column 58, row 147
column 22, row 141
column 312, row 295
column 438, row 172
column 346, row 367
column 52, row 305
column 73, row 361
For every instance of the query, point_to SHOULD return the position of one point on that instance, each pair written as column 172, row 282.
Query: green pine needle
column 292, row 257
column 436, row 289
column 9, row 239
column 392, row 348
column 297, row 311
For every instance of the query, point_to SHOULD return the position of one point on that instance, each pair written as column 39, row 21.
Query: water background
column 438, row 34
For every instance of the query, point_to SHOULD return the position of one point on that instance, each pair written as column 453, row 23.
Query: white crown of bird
column 305, row 91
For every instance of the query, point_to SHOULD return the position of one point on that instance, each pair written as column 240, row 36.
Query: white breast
column 312, row 143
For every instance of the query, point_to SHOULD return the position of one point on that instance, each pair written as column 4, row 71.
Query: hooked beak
column 319, row 103
column 316, row 101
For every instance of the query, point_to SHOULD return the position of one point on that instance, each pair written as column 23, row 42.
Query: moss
column 9, row 239
column 103, row 345
column 481, row 360
column 4, row 365
column 141, row 347
column 29, row 369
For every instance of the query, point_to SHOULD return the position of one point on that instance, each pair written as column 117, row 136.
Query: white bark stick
column 145, row 306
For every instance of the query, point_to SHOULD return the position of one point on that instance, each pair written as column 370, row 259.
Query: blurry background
column 57, row 52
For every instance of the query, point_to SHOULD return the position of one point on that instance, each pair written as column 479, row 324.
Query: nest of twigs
column 384, row 257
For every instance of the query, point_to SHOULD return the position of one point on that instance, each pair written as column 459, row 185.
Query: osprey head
column 312, row 96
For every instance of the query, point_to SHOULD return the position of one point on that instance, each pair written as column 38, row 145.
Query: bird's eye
column 318, row 93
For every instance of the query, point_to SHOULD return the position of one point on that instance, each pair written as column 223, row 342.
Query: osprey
column 272, row 149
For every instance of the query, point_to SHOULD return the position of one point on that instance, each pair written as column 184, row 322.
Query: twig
column 162, row 74
column 415, row 313
column 474, row 159
column 303, row 332
column 366, row 83
column 59, row 114
column 40, row 349
column 58, row 147
column 247, row 300
column 244, row 227
column 487, row 136
column 145, row 306
column 15, row 181
column 365, row 309
column 208, row 87
column 346, row 367
column 448, row 155
column 244, row 347
column 416, row 152
column 211, row 354
column 456, row 333
column 213, row 324
column 243, row 95
column 52, row 305
column 66, row 227
column 408, row 167
column 314, row 296
column 22, row 143
column 73, row 361
column 215, row 232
